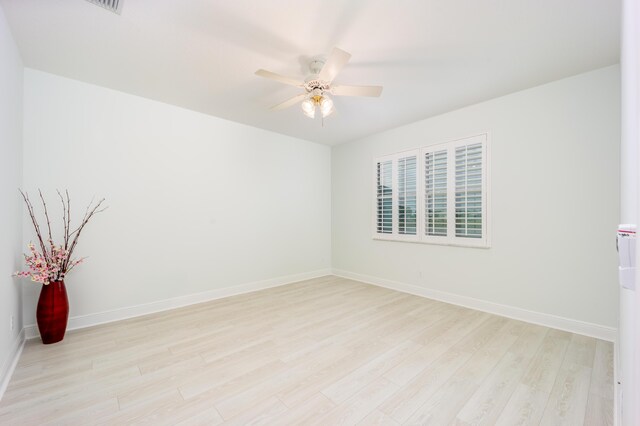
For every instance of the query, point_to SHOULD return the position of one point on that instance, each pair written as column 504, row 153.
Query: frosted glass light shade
column 309, row 108
column 326, row 106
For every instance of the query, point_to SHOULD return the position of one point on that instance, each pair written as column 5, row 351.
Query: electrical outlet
column 11, row 323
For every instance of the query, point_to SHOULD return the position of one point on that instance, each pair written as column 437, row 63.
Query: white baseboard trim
column 617, row 384
column 11, row 362
column 547, row 320
column 83, row 321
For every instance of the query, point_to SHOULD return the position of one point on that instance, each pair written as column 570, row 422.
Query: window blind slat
column 435, row 186
column 384, row 197
column 407, row 195
column 468, row 191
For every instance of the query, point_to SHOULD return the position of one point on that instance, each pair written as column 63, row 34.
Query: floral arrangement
column 53, row 262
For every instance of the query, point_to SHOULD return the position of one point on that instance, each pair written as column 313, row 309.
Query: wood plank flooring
column 326, row 351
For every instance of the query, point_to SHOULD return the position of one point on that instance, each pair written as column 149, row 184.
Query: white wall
column 10, row 207
column 196, row 203
column 554, row 198
column 222, row 204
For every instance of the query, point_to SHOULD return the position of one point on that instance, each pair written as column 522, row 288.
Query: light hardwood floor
column 323, row 352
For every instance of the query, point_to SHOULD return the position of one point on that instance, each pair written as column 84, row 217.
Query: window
column 384, row 198
column 435, row 187
column 436, row 194
column 407, row 195
column 469, row 191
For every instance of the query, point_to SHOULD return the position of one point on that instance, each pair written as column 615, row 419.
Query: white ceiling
column 431, row 56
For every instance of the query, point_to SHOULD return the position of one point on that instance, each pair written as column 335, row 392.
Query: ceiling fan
column 319, row 84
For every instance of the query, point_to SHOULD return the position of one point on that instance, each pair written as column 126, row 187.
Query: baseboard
column 83, row 321
column 547, row 320
column 12, row 360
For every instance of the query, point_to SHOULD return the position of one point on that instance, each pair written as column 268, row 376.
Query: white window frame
column 451, row 239
column 394, row 197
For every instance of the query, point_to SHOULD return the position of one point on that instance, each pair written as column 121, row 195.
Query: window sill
column 479, row 245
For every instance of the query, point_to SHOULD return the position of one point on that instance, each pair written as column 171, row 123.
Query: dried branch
column 64, row 219
column 46, row 215
column 88, row 215
column 86, row 212
column 35, row 223
column 66, row 240
column 75, row 263
column 63, row 263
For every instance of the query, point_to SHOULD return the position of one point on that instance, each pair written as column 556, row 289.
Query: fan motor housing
column 311, row 85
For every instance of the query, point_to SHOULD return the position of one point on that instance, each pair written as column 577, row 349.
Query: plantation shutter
column 407, row 195
column 384, row 194
column 437, row 194
column 435, row 200
column 468, row 213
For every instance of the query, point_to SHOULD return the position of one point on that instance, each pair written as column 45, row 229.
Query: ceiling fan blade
column 336, row 61
column 281, row 78
column 373, row 91
column 289, row 102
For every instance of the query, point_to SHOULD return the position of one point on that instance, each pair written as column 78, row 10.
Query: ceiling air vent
column 114, row 6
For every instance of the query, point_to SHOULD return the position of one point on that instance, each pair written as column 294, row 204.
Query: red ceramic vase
column 53, row 312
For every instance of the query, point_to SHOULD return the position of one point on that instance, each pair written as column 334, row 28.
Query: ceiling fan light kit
column 318, row 85
column 317, row 99
column 308, row 108
column 326, row 106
